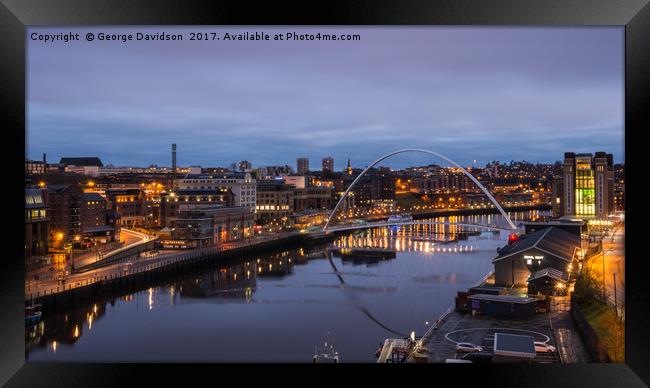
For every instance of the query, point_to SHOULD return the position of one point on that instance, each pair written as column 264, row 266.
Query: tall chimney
column 173, row 158
column 44, row 159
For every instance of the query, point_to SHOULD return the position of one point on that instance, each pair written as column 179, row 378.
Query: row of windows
column 33, row 199
column 33, row 214
column 272, row 207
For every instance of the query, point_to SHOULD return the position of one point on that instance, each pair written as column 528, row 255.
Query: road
column 613, row 259
column 131, row 238
column 46, row 276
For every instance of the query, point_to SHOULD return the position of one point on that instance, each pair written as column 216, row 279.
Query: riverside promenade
column 94, row 278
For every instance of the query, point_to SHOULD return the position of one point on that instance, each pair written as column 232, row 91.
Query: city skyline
column 478, row 93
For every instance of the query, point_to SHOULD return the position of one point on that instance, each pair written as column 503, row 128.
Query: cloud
column 470, row 93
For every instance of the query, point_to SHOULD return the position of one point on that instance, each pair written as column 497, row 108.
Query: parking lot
column 480, row 330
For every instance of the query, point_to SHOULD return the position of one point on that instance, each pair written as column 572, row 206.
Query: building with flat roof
column 242, row 185
column 81, row 161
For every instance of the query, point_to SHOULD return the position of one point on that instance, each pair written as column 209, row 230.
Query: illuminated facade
column 588, row 185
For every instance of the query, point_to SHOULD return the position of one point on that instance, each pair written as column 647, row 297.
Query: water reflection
column 395, row 278
column 62, row 328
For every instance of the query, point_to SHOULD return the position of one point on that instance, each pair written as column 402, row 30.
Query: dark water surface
column 356, row 291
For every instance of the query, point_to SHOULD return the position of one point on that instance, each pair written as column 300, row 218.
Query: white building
column 242, row 185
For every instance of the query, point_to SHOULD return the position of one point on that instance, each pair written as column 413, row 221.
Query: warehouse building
column 550, row 247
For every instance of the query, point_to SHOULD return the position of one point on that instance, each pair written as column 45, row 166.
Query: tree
column 588, row 288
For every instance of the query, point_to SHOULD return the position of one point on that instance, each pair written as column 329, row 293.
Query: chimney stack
column 173, row 158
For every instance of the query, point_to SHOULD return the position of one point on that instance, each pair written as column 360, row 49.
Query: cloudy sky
column 469, row 93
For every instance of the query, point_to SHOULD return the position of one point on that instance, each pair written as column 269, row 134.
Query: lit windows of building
column 588, row 185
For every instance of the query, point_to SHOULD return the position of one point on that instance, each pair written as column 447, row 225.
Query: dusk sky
column 469, row 93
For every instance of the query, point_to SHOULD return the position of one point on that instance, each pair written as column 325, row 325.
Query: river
column 354, row 293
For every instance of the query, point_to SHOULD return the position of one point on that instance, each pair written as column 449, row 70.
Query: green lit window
column 585, row 191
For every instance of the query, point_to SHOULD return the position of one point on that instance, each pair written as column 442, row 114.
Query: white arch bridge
column 418, row 150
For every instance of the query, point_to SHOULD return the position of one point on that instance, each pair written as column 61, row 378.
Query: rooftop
column 82, row 161
column 93, row 197
column 550, row 272
column 552, row 240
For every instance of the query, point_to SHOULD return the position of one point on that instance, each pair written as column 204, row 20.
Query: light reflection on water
column 361, row 288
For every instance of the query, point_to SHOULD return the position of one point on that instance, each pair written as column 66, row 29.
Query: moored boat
column 32, row 314
column 404, row 217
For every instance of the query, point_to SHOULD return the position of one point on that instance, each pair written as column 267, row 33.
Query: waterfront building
column 312, row 198
column 170, row 202
column 328, row 165
column 36, row 222
column 550, row 247
column 588, row 185
column 200, row 225
column 64, row 202
column 302, row 165
column 274, row 202
column 242, row 185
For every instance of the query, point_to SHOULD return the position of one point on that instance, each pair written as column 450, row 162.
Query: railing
column 161, row 261
column 425, row 337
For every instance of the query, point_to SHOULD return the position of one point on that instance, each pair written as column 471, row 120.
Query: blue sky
column 469, row 93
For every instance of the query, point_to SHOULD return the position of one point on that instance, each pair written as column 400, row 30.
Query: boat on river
column 404, row 217
column 33, row 314
column 327, row 353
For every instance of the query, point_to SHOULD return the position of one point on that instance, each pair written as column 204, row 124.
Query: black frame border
column 16, row 15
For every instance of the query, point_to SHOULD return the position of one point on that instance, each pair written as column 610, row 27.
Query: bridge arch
column 470, row 176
